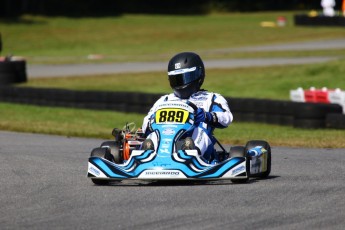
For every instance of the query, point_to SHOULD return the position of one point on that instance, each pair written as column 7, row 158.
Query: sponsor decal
column 172, row 105
column 169, row 126
column 255, row 165
column 178, row 69
column 168, row 132
column 161, row 174
column 158, row 164
column 200, row 136
column 198, row 98
column 94, row 171
column 165, row 146
column 238, row 170
column 164, row 151
column 167, row 141
column 170, row 173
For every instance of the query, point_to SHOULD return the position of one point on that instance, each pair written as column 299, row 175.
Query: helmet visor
column 183, row 76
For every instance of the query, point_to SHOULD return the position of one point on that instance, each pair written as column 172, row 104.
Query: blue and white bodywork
column 166, row 162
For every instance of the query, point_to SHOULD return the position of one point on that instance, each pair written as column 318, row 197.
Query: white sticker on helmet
column 177, row 65
column 180, row 71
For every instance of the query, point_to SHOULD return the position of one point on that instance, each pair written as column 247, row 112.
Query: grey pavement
column 44, row 186
column 307, row 45
column 39, row 71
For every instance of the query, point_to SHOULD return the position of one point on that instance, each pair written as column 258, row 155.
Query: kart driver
column 186, row 74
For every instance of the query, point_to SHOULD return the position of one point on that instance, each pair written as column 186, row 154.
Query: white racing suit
column 202, row 135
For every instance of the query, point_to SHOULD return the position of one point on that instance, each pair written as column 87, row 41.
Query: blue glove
column 202, row 116
column 256, row 151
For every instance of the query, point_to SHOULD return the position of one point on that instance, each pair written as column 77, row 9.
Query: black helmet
column 186, row 74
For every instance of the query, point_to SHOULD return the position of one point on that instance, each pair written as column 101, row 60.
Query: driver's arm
column 218, row 114
column 221, row 114
column 145, row 126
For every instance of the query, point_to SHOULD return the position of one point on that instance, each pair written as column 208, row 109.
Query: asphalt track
column 39, row 71
column 43, row 182
column 44, row 186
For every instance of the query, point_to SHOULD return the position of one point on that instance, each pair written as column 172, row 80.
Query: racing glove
column 256, row 151
column 207, row 117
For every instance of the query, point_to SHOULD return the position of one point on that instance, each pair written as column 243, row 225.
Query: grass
column 62, row 121
column 259, row 82
column 99, row 124
column 147, row 37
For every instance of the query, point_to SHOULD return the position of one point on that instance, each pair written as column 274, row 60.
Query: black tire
column 237, row 116
column 254, row 143
column 335, row 121
column 7, row 78
column 248, row 117
column 273, row 119
column 314, row 110
column 99, row 152
column 114, row 154
column 239, row 151
column 309, row 123
column 235, row 104
column 286, row 120
column 284, row 108
column 99, row 181
column 13, row 72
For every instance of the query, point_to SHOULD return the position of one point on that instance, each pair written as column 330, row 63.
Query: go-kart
column 124, row 158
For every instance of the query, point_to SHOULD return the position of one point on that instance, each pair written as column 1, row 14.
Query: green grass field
column 259, row 82
column 149, row 37
column 156, row 38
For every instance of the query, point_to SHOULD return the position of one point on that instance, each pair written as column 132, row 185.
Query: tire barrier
column 335, row 121
column 306, row 20
column 118, row 101
column 262, row 110
column 12, row 72
column 287, row 113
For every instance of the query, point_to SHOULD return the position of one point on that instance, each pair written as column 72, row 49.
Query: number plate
column 171, row 115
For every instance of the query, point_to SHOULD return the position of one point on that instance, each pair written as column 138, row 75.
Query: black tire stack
column 306, row 20
column 299, row 115
column 288, row 113
column 12, row 72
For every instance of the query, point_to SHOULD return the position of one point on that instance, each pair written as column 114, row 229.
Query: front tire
column 99, row 181
column 99, row 152
column 114, row 154
column 254, row 143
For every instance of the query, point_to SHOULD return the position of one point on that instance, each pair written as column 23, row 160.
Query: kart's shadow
column 255, row 179
column 170, row 183
column 186, row 182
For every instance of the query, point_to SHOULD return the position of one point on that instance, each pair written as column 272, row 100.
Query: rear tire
column 239, row 151
column 254, row 143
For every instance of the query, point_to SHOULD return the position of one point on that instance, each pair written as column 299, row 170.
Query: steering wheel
column 191, row 104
